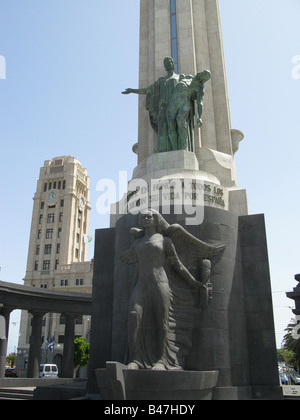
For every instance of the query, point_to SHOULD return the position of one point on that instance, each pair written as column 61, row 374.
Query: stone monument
column 170, row 102
column 181, row 287
column 166, row 294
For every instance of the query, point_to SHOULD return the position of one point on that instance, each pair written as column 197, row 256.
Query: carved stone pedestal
column 235, row 336
column 116, row 382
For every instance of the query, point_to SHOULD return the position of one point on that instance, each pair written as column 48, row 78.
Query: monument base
column 244, row 393
column 235, row 336
column 116, row 382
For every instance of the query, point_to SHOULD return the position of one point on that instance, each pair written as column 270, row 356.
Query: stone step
column 16, row 394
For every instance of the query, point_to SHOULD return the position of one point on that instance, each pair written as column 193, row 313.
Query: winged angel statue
column 173, row 283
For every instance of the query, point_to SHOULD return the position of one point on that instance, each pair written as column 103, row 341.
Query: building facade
column 57, row 255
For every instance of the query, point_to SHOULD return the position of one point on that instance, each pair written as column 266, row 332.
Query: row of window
column 62, row 320
column 61, row 340
column 47, row 249
column 65, row 282
column 50, row 218
column 59, row 185
column 49, row 233
column 46, row 265
column 62, row 203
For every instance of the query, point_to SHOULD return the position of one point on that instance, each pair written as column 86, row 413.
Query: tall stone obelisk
column 190, row 32
column 199, row 46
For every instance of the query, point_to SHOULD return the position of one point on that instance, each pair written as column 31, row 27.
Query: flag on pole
column 46, row 343
column 87, row 238
column 51, row 344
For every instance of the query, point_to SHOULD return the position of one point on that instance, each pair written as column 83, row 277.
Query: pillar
column 68, row 355
column 35, row 345
column 5, row 313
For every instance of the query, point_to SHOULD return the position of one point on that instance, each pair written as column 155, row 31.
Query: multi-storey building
column 57, row 256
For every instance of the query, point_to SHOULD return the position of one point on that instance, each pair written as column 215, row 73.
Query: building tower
column 60, row 218
column 57, row 255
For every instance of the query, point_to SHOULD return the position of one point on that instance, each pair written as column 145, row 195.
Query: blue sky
column 67, row 62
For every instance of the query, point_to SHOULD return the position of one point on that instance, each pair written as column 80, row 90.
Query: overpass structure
column 39, row 302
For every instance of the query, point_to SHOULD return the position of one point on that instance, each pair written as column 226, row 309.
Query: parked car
column 295, row 377
column 11, row 373
column 48, row 371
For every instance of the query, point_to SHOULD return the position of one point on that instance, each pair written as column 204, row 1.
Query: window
column 44, row 286
column 56, row 264
column 41, row 219
column 37, row 251
column 42, row 205
column 64, row 185
column 59, row 233
column 49, row 233
column 60, row 217
column 48, row 249
column 59, row 185
column 62, row 202
column 50, row 218
column 78, row 222
column 50, row 186
column 64, row 282
column 58, row 248
column 45, row 187
column 79, row 282
column 36, row 266
column 54, row 185
column 46, row 265
column 39, row 234
column 76, row 253
column 77, row 237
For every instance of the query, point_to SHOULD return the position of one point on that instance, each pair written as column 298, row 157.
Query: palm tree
column 290, row 343
column 11, row 359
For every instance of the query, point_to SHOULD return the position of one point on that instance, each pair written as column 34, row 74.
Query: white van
column 48, row 371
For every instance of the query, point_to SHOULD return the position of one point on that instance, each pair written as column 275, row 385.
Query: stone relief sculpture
column 172, row 285
column 171, row 106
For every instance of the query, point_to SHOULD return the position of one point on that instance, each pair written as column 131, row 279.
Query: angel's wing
column 190, row 249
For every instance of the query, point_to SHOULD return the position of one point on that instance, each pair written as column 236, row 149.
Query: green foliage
column 286, row 356
column 291, row 345
column 11, row 359
column 81, row 352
